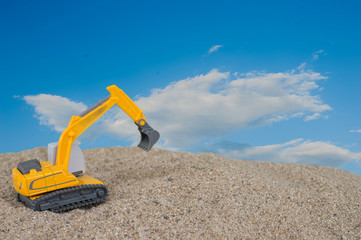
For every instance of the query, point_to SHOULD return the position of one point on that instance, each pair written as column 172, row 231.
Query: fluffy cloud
column 54, row 111
column 205, row 106
column 217, row 103
column 295, row 151
column 214, row 48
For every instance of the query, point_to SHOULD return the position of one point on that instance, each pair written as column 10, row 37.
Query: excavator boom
column 78, row 124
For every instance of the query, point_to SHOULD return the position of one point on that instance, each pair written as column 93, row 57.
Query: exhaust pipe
column 148, row 135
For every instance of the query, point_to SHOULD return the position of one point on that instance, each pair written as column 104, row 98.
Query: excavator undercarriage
column 67, row 198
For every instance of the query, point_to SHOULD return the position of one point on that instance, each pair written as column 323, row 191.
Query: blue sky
column 281, row 84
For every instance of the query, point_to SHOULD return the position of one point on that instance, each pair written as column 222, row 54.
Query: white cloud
column 214, row 104
column 54, row 111
column 204, row 107
column 182, row 122
column 356, row 131
column 302, row 66
column 317, row 54
column 214, row 48
column 313, row 116
column 295, row 151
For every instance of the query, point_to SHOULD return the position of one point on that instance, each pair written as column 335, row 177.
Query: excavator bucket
column 149, row 136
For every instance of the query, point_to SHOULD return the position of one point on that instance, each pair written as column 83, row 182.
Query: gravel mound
column 180, row 195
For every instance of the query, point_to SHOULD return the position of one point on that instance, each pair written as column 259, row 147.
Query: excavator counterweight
column 48, row 186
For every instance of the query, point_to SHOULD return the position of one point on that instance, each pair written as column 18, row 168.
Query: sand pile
column 168, row 195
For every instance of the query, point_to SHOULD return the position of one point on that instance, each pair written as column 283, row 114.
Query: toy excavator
column 60, row 184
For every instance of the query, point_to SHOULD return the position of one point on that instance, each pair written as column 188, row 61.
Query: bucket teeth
column 148, row 135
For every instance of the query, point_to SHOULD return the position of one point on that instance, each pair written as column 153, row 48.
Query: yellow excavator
column 48, row 185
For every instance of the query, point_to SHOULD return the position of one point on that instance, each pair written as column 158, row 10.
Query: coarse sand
column 180, row 195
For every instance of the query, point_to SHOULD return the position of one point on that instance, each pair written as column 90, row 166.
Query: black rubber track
column 68, row 198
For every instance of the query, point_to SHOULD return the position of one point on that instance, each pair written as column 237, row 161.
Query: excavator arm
column 78, row 124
